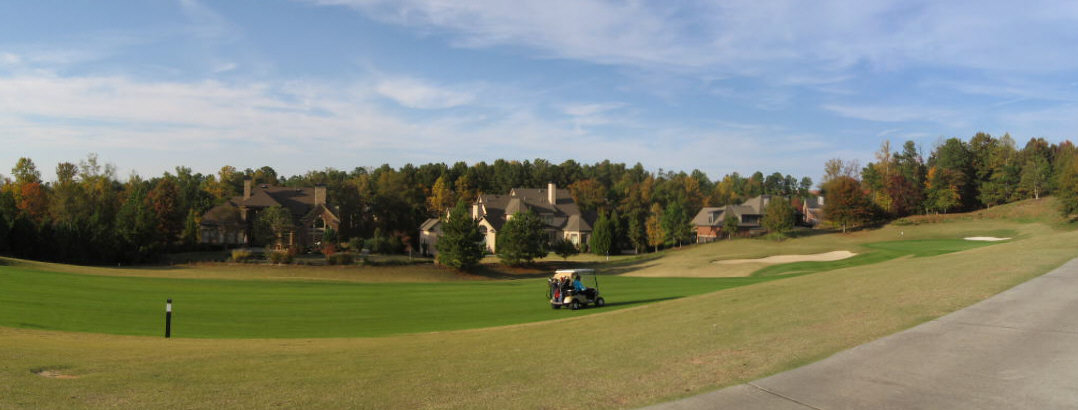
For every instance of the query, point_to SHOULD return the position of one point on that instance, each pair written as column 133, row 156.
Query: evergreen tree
column 461, row 244
column 564, row 248
column 602, row 236
column 522, row 239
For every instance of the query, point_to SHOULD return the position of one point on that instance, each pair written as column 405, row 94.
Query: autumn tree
column 654, row 227
column 165, row 201
column 588, row 194
column 461, row 243
column 441, row 197
column 845, row 204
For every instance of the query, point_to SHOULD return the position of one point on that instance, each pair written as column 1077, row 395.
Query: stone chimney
column 552, row 193
column 247, row 188
column 320, row 194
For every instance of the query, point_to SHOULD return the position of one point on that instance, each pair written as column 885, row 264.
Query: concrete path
column 1018, row 349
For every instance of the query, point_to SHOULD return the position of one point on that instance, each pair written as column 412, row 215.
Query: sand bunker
column 985, row 238
column 54, row 374
column 819, row 257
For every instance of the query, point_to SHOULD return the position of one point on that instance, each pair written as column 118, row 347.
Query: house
column 812, row 209
column 749, row 214
column 429, row 233
column 555, row 207
column 232, row 223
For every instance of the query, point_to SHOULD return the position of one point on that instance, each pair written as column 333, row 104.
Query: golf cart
column 561, row 293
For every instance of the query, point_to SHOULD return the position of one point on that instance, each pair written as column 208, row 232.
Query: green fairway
column 256, row 309
column 880, row 252
column 656, row 350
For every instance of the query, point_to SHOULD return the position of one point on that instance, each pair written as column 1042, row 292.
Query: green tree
column 522, row 239
column 730, row 225
column 190, row 233
column 272, row 225
column 564, row 248
column 25, row 172
column 602, row 236
column 461, row 244
column 1035, row 175
column 779, row 216
column 676, row 223
column 136, row 223
column 1067, row 185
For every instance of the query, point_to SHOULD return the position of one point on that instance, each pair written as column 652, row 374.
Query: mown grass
column 615, row 359
column 41, row 299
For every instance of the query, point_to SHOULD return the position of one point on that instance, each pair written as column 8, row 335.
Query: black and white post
column 168, row 318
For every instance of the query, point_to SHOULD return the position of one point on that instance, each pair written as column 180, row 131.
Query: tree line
column 88, row 215
column 955, row 176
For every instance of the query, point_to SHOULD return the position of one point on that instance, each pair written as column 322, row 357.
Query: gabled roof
column 300, row 203
column 714, row 216
column 323, row 211
column 259, row 199
column 710, row 216
column 495, row 208
column 429, row 224
column 226, row 214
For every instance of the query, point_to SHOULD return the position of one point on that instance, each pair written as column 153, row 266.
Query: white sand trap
column 985, row 238
column 819, row 257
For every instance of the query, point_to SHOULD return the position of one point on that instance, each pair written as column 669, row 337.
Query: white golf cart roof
column 568, row 273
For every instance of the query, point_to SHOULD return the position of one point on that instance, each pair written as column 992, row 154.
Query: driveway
column 1018, row 349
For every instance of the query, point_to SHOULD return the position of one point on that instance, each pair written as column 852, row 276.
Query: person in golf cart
column 579, row 287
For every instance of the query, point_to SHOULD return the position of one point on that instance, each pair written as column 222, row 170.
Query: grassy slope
column 620, row 358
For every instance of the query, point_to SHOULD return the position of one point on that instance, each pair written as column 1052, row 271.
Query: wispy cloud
column 415, row 93
column 749, row 37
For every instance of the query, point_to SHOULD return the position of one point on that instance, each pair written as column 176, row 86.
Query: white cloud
column 896, row 113
column 584, row 110
column 225, row 67
column 414, row 93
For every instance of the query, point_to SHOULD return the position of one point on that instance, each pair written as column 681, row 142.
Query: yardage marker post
column 168, row 318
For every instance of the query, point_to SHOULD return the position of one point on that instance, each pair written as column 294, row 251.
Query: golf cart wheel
column 575, row 305
column 553, row 306
column 600, row 302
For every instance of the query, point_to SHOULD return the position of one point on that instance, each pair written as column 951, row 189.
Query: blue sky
column 718, row 86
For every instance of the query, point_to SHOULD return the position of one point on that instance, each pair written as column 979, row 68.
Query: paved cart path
column 1018, row 349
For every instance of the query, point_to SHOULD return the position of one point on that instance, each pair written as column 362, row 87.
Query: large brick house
column 232, row 223
column 749, row 214
column 555, row 207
